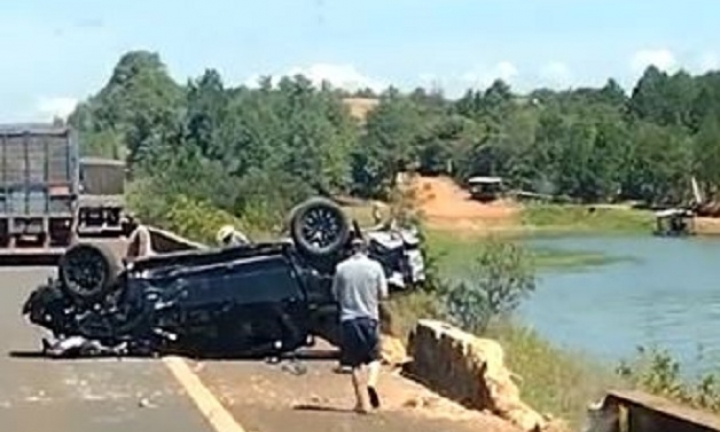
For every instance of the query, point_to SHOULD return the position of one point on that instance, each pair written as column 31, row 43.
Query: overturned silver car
column 256, row 299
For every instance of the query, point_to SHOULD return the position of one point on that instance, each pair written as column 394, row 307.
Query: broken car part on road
column 262, row 299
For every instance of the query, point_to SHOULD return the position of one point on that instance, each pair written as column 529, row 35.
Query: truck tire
column 319, row 227
column 88, row 271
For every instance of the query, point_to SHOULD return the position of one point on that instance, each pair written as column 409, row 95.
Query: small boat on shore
column 675, row 222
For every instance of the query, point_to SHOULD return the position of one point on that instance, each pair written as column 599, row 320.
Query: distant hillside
column 360, row 107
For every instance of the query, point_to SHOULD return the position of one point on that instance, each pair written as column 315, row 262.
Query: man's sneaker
column 374, row 398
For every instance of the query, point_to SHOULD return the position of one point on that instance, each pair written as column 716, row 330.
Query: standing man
column 359, row 285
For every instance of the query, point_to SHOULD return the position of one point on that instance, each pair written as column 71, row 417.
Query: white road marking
column 210, row 407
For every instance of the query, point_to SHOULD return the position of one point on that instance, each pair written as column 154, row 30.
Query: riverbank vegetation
column 589, row 219
column 202, row 154
column 454, row 249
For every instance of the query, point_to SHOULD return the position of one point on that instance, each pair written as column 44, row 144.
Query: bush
column 191, row 218
column 258, row 203
column 656, row 371
column 266, row 196
column 403, row 203
column 401, row 312
column 198, row 220
column 145, row 200
column 501, row 276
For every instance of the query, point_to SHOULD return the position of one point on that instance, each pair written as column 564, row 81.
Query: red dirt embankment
column 445, row 205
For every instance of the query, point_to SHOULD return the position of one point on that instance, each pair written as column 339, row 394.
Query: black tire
column 99, row 265
column 335, row 232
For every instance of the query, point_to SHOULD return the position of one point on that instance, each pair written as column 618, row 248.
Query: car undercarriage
column 251, row 300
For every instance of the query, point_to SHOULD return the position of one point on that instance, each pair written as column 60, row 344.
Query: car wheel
column 88, row 270
column 319, row 227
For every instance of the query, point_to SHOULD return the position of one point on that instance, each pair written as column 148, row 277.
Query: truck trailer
column 48, row 198
column 38, row 188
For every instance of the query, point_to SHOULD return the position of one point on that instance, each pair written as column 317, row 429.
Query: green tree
column 706, row 153
column 388, row 147
column 502, row 276
column 232, row 147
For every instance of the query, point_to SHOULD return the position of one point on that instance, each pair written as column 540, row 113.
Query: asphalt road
column 106, row 395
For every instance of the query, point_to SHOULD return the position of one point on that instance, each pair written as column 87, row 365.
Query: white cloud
column 556, row 72
column 430, row 81
column 662, row 58
column 709, row 61
column 345, row 76
column 56, row 107
column 505, row 70
column 427, row 78
column 482, row 78
column 252, row 81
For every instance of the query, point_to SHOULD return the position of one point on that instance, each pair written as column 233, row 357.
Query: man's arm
column 335, row 288
column 382, row 284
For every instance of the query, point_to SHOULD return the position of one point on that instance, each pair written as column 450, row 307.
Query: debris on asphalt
column 145, row 403
column 294, row 367
column 38, row 397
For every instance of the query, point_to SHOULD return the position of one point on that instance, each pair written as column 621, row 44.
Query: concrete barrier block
column 470, row 370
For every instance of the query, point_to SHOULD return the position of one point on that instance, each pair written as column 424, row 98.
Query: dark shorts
column 360, row 342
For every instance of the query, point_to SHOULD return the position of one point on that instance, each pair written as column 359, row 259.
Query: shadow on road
column 309, row 355
column 39, row 354
column 28, row 260
column 322, row 408
column 26, row 354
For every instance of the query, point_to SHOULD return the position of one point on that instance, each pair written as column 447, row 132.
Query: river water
column 666, row 293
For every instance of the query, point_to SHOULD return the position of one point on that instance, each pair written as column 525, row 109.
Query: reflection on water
column 668, row 295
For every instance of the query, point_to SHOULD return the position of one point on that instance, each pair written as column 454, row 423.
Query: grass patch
column 555, row 217
column 553, row 380
column 455, row 253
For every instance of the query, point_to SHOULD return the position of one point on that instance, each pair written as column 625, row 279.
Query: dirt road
column 111, row 395
column 447, row 206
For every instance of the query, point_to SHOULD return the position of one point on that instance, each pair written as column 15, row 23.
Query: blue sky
column 58, row 52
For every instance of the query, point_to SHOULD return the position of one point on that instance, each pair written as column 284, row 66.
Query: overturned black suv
column 258, row 299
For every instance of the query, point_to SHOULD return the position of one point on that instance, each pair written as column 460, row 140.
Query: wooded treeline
column 263, row 149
